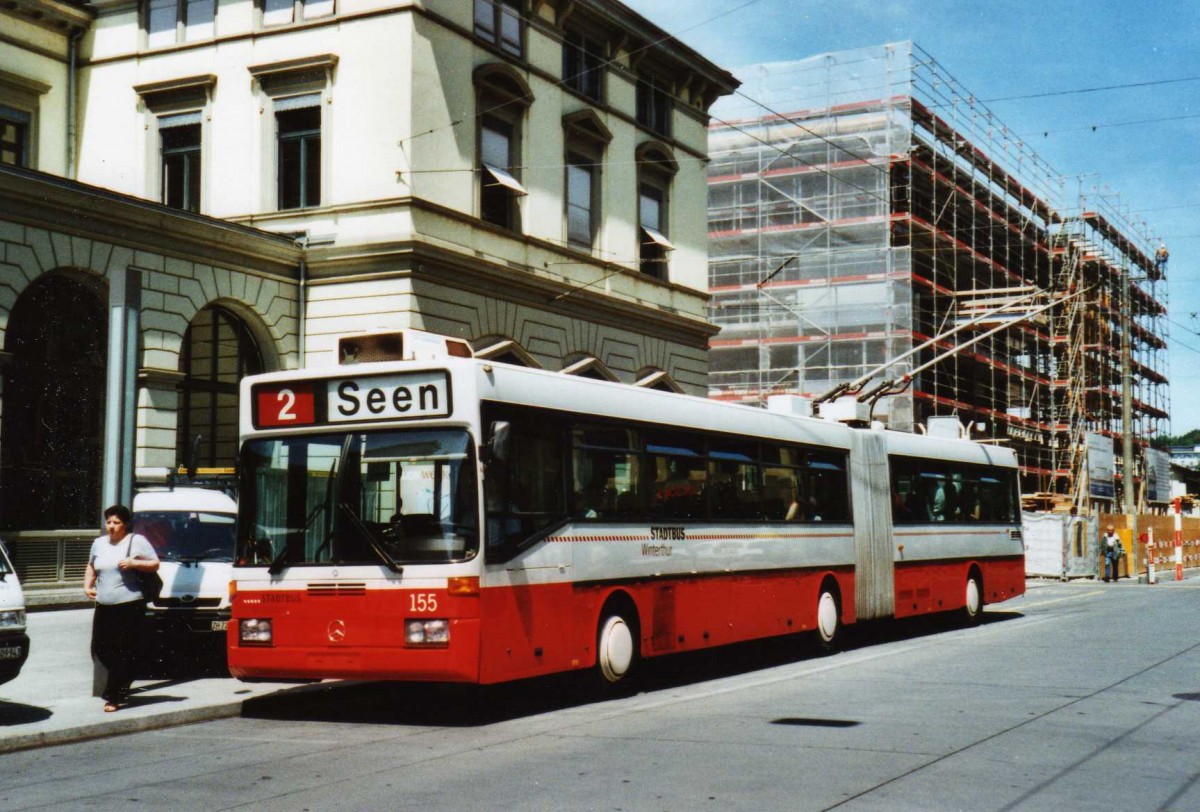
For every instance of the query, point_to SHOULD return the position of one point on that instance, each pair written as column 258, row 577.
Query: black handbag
column 149, row 582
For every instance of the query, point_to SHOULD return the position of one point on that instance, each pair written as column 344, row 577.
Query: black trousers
column 116, row 641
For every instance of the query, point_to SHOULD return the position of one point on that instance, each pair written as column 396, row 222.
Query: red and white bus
column 456, row 519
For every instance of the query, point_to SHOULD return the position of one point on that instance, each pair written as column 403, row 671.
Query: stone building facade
column 197, row 190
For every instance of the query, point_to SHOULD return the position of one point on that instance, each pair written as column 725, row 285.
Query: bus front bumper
column 457, row 661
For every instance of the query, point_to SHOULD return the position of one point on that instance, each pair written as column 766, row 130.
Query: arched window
column 218, row 351
column 51, row 435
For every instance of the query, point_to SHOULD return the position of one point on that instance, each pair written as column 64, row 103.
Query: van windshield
column 188, row 536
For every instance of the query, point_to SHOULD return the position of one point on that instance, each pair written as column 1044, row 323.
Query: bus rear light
column 463, row 586
column 255, row 631
column 427, row 632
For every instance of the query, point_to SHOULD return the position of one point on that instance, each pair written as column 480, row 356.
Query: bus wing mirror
column 498, row 445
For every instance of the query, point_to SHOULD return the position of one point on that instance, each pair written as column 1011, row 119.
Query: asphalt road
column 1075, row 697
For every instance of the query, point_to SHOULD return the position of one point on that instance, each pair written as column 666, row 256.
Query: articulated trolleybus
column 447, row 518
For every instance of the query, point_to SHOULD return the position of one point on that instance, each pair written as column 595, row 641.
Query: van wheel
column 616, row 649
column 829, row 618
column 973, row 604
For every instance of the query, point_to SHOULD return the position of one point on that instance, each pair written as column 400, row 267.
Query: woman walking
column 111, row 579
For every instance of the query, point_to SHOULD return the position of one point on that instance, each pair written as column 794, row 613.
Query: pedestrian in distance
column 1113, row 549
column 111, row 579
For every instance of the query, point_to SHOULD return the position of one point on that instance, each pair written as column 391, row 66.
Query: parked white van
column 14, row 642
column 192, row 530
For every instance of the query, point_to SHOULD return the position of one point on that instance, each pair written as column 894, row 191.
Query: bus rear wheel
column 616, row 649
column 973, row 602
column 829, row 618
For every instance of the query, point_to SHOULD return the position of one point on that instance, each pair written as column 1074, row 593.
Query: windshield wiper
column 278, row 563
column 372, row 542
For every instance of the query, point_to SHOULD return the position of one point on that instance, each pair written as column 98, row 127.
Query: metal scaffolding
column 863, row 203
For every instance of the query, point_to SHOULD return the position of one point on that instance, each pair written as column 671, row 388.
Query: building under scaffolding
column 863, row 204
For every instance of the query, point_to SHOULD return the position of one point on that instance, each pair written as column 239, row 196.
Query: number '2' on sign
column 290, row 405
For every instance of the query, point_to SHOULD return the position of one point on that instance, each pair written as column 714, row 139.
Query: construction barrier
column 1170, row 543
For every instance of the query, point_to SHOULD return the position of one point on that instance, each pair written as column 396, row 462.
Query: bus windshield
column 381, row 497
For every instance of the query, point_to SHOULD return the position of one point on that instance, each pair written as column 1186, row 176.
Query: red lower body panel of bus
column 514, row 632
column 925, row 587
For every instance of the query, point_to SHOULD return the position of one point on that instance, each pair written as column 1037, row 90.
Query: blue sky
column 1146, row 142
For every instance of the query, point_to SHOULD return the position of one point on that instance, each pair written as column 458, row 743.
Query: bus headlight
column 427, row 632
column 12, row 619
column 255, row 631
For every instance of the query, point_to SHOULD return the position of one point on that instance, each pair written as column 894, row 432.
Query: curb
column 119, row 727
column 48, row 600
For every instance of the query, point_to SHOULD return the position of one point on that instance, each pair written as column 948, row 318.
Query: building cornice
column 46, row 201
column 678, row 316
column 429, row 263
column 62, row 18
column 420, row 206
column 659, row 46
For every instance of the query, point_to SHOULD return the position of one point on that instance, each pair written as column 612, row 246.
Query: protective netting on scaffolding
column 862, row 205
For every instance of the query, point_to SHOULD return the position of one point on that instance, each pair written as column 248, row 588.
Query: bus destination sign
column 345, row 400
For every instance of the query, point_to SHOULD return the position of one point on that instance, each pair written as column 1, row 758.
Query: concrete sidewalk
column 51, row 701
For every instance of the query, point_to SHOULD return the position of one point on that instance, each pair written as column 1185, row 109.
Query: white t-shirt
column 115, row 585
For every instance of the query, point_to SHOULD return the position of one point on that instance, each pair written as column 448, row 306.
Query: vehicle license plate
column 220, row 625
column 10, row 652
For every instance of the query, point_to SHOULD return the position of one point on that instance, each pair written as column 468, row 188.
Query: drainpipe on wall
column 72, row 89
column 302, row 295
column 303, row 305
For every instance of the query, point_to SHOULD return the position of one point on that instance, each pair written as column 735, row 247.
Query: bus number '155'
column 422, row 602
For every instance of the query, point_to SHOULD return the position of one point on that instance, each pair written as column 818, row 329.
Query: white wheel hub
column 974, row 599
column 827, row 617
column 615, row 652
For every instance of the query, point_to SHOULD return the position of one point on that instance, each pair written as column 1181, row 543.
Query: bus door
column 528, row 599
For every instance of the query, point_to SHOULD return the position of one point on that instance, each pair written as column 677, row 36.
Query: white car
column 14, row 643
column 192, row 530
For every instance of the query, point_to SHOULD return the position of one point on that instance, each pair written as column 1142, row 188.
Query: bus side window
column 968, row 503
column 778, row 492
column 945, row 501
column 679, row 488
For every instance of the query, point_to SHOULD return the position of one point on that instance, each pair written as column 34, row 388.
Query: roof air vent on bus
column 400, row 345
